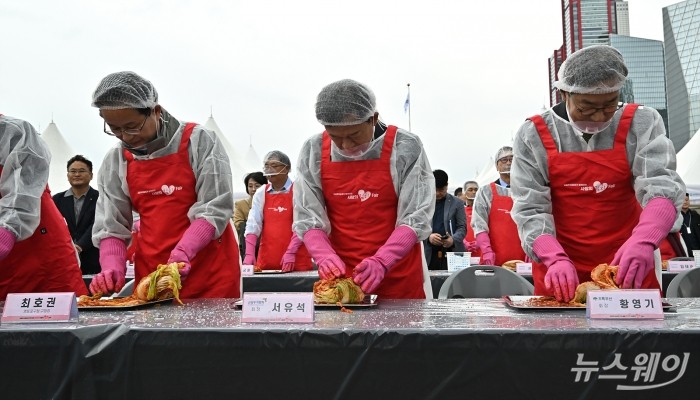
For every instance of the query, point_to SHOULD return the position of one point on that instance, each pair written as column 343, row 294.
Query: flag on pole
column 407, row 103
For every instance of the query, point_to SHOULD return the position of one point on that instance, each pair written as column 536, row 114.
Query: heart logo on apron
column 168, row 189
column 364, row 195
column 599, row 187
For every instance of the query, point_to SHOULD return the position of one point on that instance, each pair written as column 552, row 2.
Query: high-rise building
column 584, row 23
column 623, row 18
column 554, row 63
column 645, row 82
column 682, row 56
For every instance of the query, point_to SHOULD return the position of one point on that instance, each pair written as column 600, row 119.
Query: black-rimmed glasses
column 132, row 131
column 588, row 111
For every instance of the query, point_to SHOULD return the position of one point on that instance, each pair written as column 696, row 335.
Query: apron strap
column 545, row 134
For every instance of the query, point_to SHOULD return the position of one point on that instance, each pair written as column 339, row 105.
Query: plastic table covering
column 427, row 349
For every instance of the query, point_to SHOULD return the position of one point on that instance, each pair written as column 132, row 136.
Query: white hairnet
column 592, row 70
column 503, row 152
column 277, row 156
column 345, row 102
column 124, row 89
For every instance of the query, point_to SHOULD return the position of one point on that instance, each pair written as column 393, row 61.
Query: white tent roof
column 688, row 167
column 688, row 160
column 240, row 165
column 487, row 174
column 235, row 159
column 61, row 152
column 252, row 160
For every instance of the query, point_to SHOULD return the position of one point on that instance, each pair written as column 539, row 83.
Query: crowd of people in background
column 362, row 205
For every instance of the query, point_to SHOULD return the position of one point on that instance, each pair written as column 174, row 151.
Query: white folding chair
column 483, row 282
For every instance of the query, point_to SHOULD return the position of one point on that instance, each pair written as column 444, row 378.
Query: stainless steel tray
column 521, row 303
column 122, row 307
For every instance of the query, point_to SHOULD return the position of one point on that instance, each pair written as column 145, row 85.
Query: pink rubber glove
column 635, row 257
column 471, row 246
column 199, row 234
column 251, row 241
column 561, row 276
column 113, row 262
column 7, row 242
column 368, row 274
column 488, row 257
column 330, row 266
column 290, row 256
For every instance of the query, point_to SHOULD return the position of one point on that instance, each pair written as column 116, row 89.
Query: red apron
column 361, row 204
column 162, row 192
column 278, row 216
column 470, row 232
column 45, row 261
column 593, row 202
column 503, row 232
column 670, row 250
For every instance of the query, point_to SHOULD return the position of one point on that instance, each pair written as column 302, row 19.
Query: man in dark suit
column 449, row 225
column 691, row 226
column 77, row 205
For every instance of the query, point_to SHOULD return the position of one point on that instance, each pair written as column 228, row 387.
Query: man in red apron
column 177, row 177
column 271, row 217
column 36, row 250
column 365, row 196
column 494, row 228
column 581, row 170
column 470, row 190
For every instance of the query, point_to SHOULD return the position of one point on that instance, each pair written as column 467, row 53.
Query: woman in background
column 241, row 208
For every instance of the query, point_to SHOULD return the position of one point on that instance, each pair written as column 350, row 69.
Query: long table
column 416, row 349
column 304, row 281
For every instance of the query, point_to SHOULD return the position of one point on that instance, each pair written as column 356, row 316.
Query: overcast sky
column 477, row 68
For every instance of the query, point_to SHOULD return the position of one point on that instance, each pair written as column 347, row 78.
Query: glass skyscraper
column 646, row 78
column 682, row 56
column 584, row 23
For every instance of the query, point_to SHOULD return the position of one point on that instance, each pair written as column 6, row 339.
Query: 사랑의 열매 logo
column 599, row 187
column 364, row 194
column 168, row 189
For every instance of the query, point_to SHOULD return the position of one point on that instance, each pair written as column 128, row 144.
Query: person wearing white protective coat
column 494, row 230
column 365, row 196
column 177, row 176
column 593, row 180
column 36, row 250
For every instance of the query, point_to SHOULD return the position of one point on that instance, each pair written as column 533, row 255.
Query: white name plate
column 278, row 307
column 247, row 270
column 523, row 268
column 624, row 304
column 680, row 266
column 39, row 307
column 458, row 260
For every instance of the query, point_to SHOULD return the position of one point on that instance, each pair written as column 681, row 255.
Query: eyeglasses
column 505, row 159
column 77, row 171
column 588, row 111
column 274, row 166
column 120, row 132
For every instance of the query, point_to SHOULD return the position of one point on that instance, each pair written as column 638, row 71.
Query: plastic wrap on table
column 400, row 349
